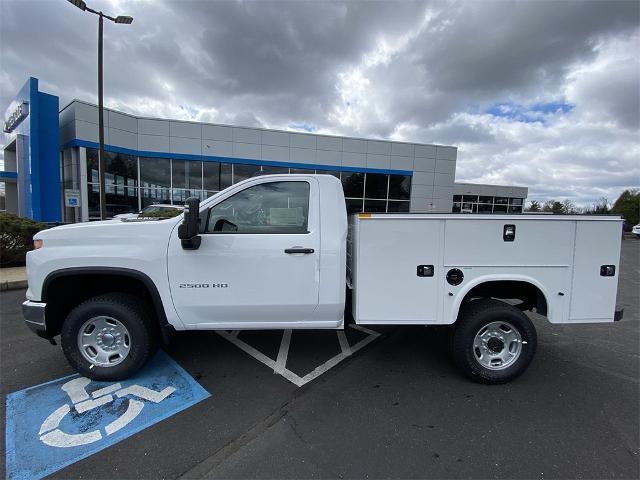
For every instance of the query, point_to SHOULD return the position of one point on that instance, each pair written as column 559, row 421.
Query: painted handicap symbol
column 82, row 402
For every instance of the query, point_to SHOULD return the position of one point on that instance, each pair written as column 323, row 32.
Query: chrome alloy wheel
column 497, row 345
column 104, row 341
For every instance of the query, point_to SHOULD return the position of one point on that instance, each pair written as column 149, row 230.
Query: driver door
column 258, row 262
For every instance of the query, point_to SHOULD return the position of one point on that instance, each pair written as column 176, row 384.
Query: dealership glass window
column 154, row 195
column 276, row 207
column 456, row 206
column 457, row 198
column 375, row 206
column 515, row 208
column 501, row 200
column 303, row 171
column 399, row 187
column 121, row 165
column 354, row 205
column 353, row 184
column 242, row 172
column 375, row 186
column 397, row 206
column 226, row 174
column 211, row 176
column 470, row 198
column 515, row 201
column 271, row 170
column 500, row 209
column 485, row 208
column 187, row 174
column 486, row 199
column 155, row 172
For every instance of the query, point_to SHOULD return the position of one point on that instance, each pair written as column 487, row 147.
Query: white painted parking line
column 279, row 365
column 283, row 353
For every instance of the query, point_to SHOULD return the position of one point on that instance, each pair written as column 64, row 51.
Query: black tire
column 128, row 310
column 472, row 319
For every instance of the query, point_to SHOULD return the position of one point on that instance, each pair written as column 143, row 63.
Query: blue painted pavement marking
column 58, row 423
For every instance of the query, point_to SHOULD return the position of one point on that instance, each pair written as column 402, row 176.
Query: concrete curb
column 12, row 285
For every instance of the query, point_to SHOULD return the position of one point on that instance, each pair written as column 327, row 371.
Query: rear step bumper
column 617, row 316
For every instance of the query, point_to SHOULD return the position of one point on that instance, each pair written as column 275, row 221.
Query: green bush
column 16, row 238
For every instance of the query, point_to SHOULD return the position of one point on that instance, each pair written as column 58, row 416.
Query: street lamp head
column 79, row 3
column 121, row 18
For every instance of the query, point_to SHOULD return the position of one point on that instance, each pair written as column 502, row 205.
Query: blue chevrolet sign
column 58, row 423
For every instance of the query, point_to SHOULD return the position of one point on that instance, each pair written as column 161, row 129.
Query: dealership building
column 51, row 164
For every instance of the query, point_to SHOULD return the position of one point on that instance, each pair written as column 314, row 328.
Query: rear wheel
column 108, row 337
column 493, row 342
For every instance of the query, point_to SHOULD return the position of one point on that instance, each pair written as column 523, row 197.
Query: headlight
column 37, row 244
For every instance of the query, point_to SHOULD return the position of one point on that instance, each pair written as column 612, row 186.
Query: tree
column 534, row 206
column 553, row 206
column 628, row 206
column 601, row 207
column 569, row 207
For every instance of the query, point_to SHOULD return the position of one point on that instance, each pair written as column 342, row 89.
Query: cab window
column 276, row 207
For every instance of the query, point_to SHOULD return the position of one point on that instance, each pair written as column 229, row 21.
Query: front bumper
column 34, row 317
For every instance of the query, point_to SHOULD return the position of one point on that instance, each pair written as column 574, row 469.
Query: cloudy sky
column 540, row 94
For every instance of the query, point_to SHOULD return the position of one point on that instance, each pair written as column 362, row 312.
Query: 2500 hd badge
column 203, row 285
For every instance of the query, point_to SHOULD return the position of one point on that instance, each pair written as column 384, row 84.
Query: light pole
column 101, row 159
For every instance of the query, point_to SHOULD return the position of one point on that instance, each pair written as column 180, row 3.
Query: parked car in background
column 636, row 230
column 158, row 210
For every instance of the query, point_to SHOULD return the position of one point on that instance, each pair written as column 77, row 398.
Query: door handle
column 298, row 250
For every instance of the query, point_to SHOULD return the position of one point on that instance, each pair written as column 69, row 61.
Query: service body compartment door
column 265, row 274
column 388, row 286
column 593, row 296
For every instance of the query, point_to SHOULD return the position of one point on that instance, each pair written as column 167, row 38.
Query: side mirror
column 190, row 227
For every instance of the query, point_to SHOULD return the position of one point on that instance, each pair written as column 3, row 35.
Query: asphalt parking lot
column 396, row 408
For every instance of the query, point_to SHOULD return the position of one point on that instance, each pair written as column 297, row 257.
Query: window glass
column 395, row 206
column 354, row 205
column 502, row 200
column 94, row 204
column 499, row 209
column 155, row 172
column 154, row 195
column 399, row 187
column 225, row 175
column 242, row 172
column 276, row 207
column 457, row 198
column 375, row 186
column 211, row 176
column 120, row 164
column 467, row 208
column 375, row 205
column 515, row 201
column 485, row 208
column 353, row 184
column 515, row 209
column 456, row 206
column 470, row 198
column 269, row 170
column 117, row 203
column 187, row 174
column 179, row 195
column 486, row 199
column 304, row 171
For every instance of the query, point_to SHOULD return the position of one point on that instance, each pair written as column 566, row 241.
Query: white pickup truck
column 280, row 252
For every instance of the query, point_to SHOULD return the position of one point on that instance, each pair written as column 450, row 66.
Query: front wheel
column 108, row 337
column 493, row 342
